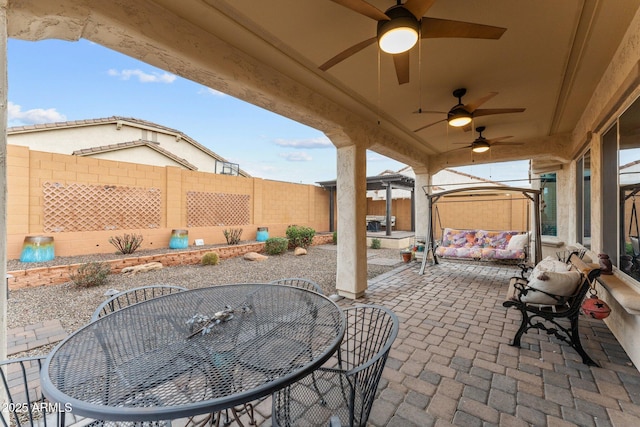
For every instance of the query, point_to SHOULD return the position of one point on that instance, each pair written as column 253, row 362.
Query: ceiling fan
column 461, row 115
column 482, row 144
column 400, row 26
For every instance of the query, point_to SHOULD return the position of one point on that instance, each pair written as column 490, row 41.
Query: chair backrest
column 370, row 332
column 299, row 283
column 133, row 296
column 25, row 405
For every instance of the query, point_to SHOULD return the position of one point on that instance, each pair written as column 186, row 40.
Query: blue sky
column 54, row 80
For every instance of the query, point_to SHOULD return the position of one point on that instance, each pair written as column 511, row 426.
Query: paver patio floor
column 452, row 363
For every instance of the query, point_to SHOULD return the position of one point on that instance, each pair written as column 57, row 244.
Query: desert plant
column 276, row 245
column 126, row 244
column 300, row 236
column 91, row 274
column 375, row 244
column 232, row 235
column 335, row 237
column 210, row 258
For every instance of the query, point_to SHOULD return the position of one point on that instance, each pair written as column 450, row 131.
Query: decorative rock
column 299, row 251
column 254, row 256
column 142, row 268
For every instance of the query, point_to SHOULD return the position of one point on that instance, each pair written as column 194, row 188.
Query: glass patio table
column 193, row 352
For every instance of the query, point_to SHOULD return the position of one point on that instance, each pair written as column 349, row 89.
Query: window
column 548, row 207
column 629, row 182
column 583, row 193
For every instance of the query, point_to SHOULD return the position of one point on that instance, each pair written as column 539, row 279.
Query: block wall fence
column 271, row 204
column 490, row 212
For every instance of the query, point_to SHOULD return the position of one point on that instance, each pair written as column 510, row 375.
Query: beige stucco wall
column 617, row 89
column 273, row 204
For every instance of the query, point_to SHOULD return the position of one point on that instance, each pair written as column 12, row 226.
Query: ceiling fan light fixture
column 400, row 33
column 480, row 146
column 458, row 117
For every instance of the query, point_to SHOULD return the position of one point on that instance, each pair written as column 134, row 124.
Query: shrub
column 91, row 274
column 300, row 236
column 335, row 237
column 210, row 258
column 276, row 245
column 375, row 243
column 126, row 244
column 232, row 235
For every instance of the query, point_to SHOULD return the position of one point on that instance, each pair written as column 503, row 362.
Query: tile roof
column 139, row 143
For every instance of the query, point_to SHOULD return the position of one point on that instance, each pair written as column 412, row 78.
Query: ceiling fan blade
column 472, row 106
column 495, row 140
column 418, row 7
column 347, row 53
column 421, row 111
column 401, row 61
column 458, row 149
column 433, row 28
column 363, row 8
column 429, row 125
column 491, row 111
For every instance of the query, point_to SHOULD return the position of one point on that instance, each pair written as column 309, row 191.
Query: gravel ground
column 74, row 306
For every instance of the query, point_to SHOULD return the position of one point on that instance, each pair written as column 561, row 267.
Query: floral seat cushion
column 479, row 244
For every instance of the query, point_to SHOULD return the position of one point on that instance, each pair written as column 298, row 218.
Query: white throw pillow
column 518, row 242
column 556, row 283
column 550, row 264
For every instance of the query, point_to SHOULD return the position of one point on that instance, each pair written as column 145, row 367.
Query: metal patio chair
column 299, row 283
column 25, row 404
column 133, row 296
column 345, row 387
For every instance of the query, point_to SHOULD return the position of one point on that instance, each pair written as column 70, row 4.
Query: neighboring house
column 125, row 140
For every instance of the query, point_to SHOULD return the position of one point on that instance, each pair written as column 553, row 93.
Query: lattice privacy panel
column 81, row 207
column 217, row 209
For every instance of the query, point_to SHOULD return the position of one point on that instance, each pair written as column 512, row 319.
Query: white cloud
column 296, row 156
column 17, row 117
column 213, row 92
column 310, row 143
column 143, row 77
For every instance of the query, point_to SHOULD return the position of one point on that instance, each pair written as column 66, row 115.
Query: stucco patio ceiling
column 548, row 61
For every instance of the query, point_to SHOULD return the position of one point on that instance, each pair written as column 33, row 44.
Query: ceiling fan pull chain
column 379, row 89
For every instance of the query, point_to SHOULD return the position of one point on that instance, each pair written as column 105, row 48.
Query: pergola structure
column 374, row 183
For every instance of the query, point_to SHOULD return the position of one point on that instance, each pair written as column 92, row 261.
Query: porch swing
column 476, row 244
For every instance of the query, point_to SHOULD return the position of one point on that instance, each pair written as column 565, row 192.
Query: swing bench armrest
column 525, row 269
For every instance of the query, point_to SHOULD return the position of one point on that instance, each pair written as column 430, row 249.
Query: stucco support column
column 351, row 184
column 3, row 180
column 423, row 178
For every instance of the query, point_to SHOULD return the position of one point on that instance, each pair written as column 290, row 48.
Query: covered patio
column 573, row 66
